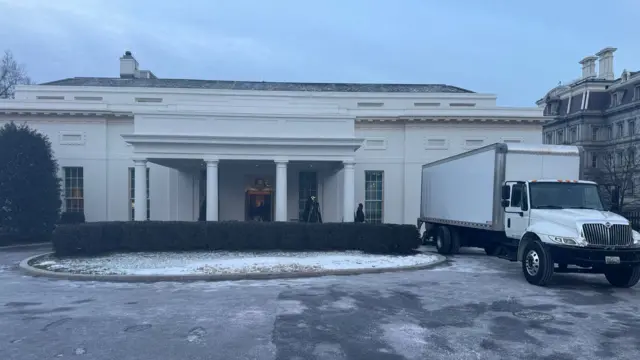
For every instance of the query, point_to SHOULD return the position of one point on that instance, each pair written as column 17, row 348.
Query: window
column 473, row 143
column 560, row 138
column 573, row 135
column 594, row 133
column 636, row 93
column 307, row 186
column 609, row 132
column 132, row 194
column 632, row 127
column 516, row 195
column 548, row 138
column 614, row 99
column 74, row 189
column 374, row 196
column 435, row 143
column 594, row 160
column 619, row 158
column 619, row 130
column 375, row 144
column 631, row 161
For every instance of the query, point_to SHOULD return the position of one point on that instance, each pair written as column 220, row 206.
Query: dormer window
column 553, row 108
column 636, row 93
column 616, row 98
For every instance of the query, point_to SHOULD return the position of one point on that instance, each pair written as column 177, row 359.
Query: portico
column 232, row 165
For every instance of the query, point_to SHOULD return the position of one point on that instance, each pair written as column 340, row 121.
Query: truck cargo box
column 465, row 189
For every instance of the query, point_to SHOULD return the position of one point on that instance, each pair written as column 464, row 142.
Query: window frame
column 377, row 201
column 68, row 190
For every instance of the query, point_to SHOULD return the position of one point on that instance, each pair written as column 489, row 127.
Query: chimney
column 605, row 66
column 588, row 66
column 128, row 66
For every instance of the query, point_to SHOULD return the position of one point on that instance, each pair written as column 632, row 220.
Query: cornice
column 66, row 113
column 468, row 120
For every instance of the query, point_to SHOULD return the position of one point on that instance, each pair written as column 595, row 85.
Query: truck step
column 507, row 254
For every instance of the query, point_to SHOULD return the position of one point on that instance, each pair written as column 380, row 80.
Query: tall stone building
column 600, row 112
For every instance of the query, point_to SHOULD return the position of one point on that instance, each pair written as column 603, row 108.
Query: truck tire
column 455, row 240
column 537, row 264
column 443, row 240
column 625, row 277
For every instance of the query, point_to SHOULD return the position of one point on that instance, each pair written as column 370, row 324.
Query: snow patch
column 406, row 339
column 344, row 303
column 222, row 262
column 290, row 307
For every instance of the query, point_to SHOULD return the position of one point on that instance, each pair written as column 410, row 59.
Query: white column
column 281, row 190
column 140, row 190
column 212, row 190
column 349, row 192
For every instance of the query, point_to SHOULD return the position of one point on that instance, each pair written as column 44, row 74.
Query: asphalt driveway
column 476, row 307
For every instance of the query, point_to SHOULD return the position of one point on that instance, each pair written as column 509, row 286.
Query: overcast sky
column 515, row 49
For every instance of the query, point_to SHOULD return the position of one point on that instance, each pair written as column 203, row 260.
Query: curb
column 17, row 246
column 33, row 271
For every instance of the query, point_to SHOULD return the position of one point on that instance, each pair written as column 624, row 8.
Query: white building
column 237, row 144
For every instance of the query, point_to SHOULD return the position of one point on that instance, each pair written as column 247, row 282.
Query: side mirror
column 506, row 192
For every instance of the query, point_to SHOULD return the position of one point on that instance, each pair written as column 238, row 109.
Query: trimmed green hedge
column 105, row 237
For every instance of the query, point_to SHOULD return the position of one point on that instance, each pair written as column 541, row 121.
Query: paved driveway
column 476, row 308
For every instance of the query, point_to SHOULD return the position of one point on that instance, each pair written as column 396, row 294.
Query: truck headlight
column 563, row 240
column 636, row 237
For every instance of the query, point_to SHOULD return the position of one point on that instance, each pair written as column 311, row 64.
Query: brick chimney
column 605, row 66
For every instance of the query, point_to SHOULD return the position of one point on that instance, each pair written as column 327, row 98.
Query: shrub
column 72, row 217
column 104, row 237
column 29, row 184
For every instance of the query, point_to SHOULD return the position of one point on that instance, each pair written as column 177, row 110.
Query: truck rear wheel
column 537, row 264
column 443, row 240
column 624, row 277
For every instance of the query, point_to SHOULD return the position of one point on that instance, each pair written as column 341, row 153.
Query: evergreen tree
column 29, row 183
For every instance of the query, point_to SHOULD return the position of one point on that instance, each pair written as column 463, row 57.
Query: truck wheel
column 443, row 240
column 537, row 264
column 625, row 277
column 455, row 240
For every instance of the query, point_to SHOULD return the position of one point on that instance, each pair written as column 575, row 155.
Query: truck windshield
column 557, row 195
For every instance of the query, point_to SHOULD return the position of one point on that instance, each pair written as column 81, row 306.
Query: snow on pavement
column 222, row 262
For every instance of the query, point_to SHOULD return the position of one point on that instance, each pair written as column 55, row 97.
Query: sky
column 517, row 50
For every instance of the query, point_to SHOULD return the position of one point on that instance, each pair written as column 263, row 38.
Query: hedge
column 71, row 217
column 104, row 237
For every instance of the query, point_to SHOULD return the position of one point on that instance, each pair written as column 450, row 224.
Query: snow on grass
column 222, row 262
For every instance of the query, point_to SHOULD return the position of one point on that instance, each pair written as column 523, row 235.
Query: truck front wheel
column 537, row 264
column 624, row 277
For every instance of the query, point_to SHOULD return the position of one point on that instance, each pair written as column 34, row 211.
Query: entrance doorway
column 258, row 205
column 259, row 202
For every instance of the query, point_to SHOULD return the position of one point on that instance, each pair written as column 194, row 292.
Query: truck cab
column 564, row 222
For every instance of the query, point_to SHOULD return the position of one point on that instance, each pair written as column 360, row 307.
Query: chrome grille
column 614, row 235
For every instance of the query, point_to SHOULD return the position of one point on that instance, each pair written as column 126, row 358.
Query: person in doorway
column 359, row 218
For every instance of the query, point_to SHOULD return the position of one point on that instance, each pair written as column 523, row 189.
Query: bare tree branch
column 11, row 74
column 616, row 174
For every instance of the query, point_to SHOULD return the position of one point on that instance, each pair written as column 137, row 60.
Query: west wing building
column 138, row 147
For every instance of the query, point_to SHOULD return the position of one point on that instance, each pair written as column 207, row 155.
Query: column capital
column 139, row 161
column 281, row 161
column 211, row 160
column 349, row 163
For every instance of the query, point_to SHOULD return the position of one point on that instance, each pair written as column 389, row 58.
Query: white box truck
column 527, row 203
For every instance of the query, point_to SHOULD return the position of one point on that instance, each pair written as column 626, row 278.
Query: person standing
column 359, row 218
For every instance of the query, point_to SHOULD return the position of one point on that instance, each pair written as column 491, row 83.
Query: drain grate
column 533, row 315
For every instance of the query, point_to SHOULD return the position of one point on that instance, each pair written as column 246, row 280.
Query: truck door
column 516, row 217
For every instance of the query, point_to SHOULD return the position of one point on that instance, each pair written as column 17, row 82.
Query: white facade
column 248, row 145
